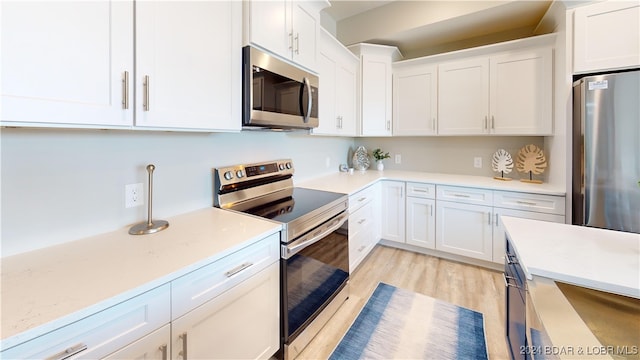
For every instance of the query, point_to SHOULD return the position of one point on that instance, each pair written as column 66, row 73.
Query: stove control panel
column 239, row 173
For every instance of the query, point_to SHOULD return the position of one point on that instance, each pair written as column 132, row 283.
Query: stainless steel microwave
column 276, row 94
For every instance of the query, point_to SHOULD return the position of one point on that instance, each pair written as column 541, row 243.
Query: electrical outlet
column 133, row 195
column 398, row 159
column 477, row 162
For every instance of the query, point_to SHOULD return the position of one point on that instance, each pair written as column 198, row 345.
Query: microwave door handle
column 305, row 81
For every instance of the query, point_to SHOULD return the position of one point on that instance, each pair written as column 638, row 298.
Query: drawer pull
column 362, row 199
column 420, row 190
column 461, row 195
column 238, row 269
column 69, row 352
column 362, row 221
column 361, row 248
column 163, row 349
column 526, row 203
column 183, row 352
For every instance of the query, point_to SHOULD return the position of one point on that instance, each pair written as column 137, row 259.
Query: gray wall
column 63, row 185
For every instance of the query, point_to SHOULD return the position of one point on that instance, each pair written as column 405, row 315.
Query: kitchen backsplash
column 62, row 185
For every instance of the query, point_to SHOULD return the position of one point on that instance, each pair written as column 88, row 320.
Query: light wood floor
column 469, row 286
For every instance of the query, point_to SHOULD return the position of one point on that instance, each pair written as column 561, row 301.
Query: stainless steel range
column 314, row 242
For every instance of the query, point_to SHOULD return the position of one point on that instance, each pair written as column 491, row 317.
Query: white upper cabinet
column 337, row 69
column 463, row 97
column 65, row 62
column 520, row 93
column 71, row 64
column 287, row 28
column 507, row 93
column 415, row 100
column 188, row 64
column 374, row 100
column 606, row 36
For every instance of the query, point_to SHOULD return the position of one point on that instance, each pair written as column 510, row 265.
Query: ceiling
column 420, row 28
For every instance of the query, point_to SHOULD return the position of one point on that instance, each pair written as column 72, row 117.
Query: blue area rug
column 401, row 324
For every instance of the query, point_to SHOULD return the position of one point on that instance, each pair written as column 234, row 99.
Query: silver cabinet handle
column 485, row 122
column 297, row 38
column 69, row 352
column 388, row 125
column 361, row 221
column 145, row 91
column 125, row 90
column 526, row 203
column 461, row 195
column 489, row 217
column 401, row 191
column 420, row 190
column 493, row 123
column 496, row 220
column 183, row 352
column 362, row 199
column 238, row 269
column 431, row 208
column 291, row 41
column 163, row 349
column 361, row 248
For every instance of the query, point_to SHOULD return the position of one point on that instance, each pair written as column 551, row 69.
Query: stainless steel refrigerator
column 606, row 151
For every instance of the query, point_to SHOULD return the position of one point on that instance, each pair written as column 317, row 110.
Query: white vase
column 379, row 165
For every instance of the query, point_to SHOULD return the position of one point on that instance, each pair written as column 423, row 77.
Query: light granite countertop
column 346, row 183
column 45, row 289
column 599, row 259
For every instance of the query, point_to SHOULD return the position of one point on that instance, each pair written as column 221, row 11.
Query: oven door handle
column 295, row 247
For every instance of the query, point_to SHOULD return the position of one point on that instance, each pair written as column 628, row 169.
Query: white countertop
column 599, row 259
column 351, row 183
column 45, row 289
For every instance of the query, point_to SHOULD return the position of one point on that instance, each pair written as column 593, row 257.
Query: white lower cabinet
column 103, row 333
column 364, row 224
column 464, row 229
column 421, row 222
column 241, row 323
column 393, row 211
column 154, row 346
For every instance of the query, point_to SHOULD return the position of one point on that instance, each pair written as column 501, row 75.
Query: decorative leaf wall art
column 531, row 159
column 503, row 163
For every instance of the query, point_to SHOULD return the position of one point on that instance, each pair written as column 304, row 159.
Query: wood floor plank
column 468, row 286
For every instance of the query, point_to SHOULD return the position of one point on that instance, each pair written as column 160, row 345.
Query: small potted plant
column 379, row 155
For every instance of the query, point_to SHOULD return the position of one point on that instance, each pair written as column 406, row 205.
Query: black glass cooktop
column 301, row 202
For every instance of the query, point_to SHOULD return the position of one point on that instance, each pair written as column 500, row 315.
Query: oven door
column 315, row 268
column 277, row 94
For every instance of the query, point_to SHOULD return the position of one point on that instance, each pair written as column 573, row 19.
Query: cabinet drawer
column 102, row 333
column 202, row 285
column 465, row 195
column 427, row 191
column 530, row 202
column 362, row 197
column 360, row 220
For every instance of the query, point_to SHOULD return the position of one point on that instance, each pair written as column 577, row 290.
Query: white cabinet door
column 346, row 97
column 520, row 93
column 329, row 121
column 154, row 346
column 463, row 97
column 337, row 68
column 305, row 29
column 499, row 242
column 268, row 26
column 52, row 73
column 415, row 100
column 606, row 36
column 188, row 64
column 376, row 95
column 421, row 222
column 393, row 211
column 464, row 229
column 241, row 323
